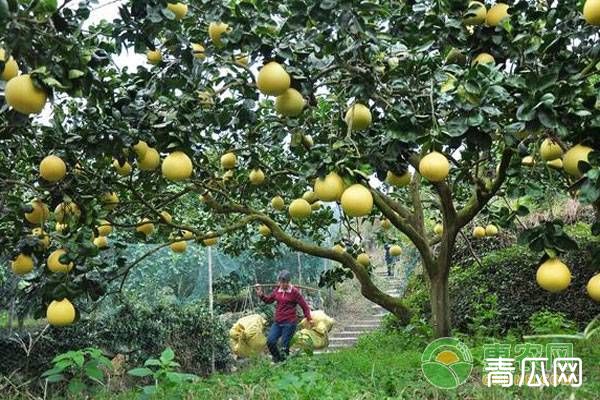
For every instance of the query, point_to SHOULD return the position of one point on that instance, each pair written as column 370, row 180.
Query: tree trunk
column 440, row 305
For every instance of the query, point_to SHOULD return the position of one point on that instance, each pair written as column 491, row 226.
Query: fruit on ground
column 179, row 246
column 179, row 9
column 329, row 188
column 153, row 57
column 290, row 103
column 434, row 167
column 478, row 232
column 264, row 230
column 257, row 176
column 104, row 228
column 339, row 248
column 228, row 160
column 357, row 201
column 54, row 263
column 101, row 242
column 553, row 275
column 475, row 14
column 21, row 94
column 572, row 158
column 212, row 240
column 110, row 200
column 299, row 209
column 278, row 203
column 556, row 164
column 150, row 161
column 398, row 180
column 177, row 166
column 145, row 226
column 496, row 14
column 309, row 196
column 359, row 116
column 140, row 149
column 438, row 229
column 550, row 150
column 215, row 31
column 60, row 313
column 591, row 12
column 308, row 141
column 165, row 217
column 22, row 264
column 123, row 170
column 53, row 168
column 395, row 250
column 593, row 287
column 44, row 239
column 11, row 68
column 67, row 210
column 187, row 234
column 38, row 214
column 363, row 259
column 491, row 230
column 198, row 51
column 483, row 58
column 528, row 161
column 272, row 79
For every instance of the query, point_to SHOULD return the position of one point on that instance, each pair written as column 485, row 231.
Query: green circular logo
column 446, row 363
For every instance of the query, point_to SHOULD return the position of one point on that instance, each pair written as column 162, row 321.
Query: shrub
column 548, row 322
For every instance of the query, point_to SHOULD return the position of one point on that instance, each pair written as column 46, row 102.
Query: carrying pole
column 210, row 301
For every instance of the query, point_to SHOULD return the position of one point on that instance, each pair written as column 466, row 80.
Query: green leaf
column 152, row 362
column 94, row 372
column 140, row 372
column 167, row 355
column 76, row 386
column 75, row 73
column 55, row 378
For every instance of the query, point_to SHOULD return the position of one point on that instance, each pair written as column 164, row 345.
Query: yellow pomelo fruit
column 44, row 239
column 179, row 9
column 386, row 224
column 398, row 180
column 338, row 248
column 550, row 150
column 329, row 188
column 22, row 264
column 278, row 203
column 572, row 158
column 216, row 30
column 272, row 79
column 496, row 14
column 104, row 228
column 593, row 287
column 309, row 196
column 150, row 161
column 299, row 209
column 166, row 217
column 101, row 242
column 478, row 232
column 434, row 167
column 39, row 214
column 395, row 250
column 228, row 160
column 556, row 164
column 591, row 12
column 491, row 230
column 359, row 116
column 179, row 247
column 140, row 149
column 177, row 166
column 110, row 200
column 438, row 229
column 264, row 230
column 54, row 263
column 198, row 51
column 21, row 94
column 357, row 201
column 483, row 58
column 187, row 234
column 308, row 141
column 212, row 240
column 53, row 168
column 67, row 210
column 363, row 259
column 60, row 227
column 553, row 275
column 257, row 176
column 154, row 57
column 528, row 161
column 60, row 313
column 11, row 68
column 290, row 103
column 145, row 226
column 475, row 14
column 123, row 170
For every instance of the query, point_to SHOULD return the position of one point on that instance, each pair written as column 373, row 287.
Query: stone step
column 347, row 333
column 381, row 315
column 362, row 327
column 336, row 339
column 340, row 345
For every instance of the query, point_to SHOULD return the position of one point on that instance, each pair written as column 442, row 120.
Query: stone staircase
column 348, row 335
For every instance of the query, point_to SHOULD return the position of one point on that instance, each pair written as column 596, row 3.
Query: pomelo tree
column 271, row 121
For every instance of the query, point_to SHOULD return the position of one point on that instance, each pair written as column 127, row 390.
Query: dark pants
column 284, row 330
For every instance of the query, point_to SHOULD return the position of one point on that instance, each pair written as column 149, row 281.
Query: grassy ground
column 382, row 366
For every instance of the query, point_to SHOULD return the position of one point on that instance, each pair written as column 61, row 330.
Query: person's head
column 283, row 278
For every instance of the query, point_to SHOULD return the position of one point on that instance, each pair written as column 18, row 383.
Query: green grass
column 382, row 366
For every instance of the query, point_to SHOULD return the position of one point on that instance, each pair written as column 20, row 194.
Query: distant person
column 388, row 259
column 287, row 297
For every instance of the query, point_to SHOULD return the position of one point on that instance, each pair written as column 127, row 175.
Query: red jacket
column 285, row 310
